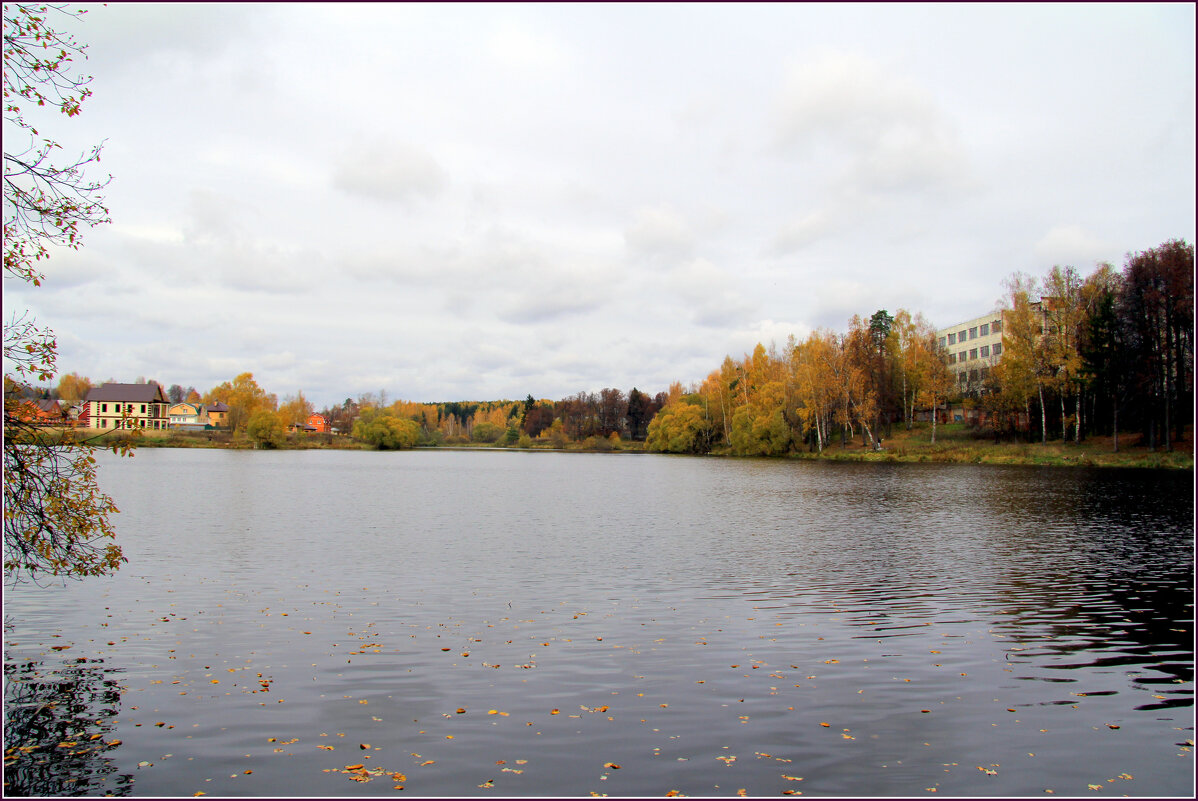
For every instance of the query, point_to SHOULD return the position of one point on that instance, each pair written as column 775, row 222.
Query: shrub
column 486, row 432
column 383, row 430
column 266, row 429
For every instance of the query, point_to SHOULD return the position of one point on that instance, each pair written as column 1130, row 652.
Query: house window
column 973, row 375
column 952, row 358
column 984, row 351
column 128, row 408
column 973, row 332
column 963, row 356
column 963, row 377
column 997, row 348
column 973, row 353
column 996, row 326
column 984, row 331
column 103, row 407
column 941, row 342
column 952, row 339
column 985, row 373
column 103, row 424
column 143, row 408
column 961, row 336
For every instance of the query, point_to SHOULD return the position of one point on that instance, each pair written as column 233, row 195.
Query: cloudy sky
column 487, row 201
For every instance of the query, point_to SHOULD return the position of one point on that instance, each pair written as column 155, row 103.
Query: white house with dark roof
column 127, row 406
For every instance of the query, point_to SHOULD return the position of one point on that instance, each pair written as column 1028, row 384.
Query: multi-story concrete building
column 972, row 348
column 976, row 345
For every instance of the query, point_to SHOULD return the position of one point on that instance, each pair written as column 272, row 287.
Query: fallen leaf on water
column 611, row 765
column 428, row 762
column 825, row 725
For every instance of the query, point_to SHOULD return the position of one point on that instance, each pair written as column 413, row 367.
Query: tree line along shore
column 1095, row 369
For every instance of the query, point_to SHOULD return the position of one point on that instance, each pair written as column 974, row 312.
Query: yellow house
column 183, row 414
column 218, row 414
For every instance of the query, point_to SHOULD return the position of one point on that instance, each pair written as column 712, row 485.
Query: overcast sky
column 487, row 201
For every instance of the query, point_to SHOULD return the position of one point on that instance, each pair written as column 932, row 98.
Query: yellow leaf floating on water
column 611, row 765
column 1094, row 786
column 825, row 725
column 325, row 747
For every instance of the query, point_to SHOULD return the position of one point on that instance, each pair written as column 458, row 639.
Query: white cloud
column 709, row 294
column 659, row 232
column 391, row 171
column 516, row 45
column 1072, row 245
column 881, row 131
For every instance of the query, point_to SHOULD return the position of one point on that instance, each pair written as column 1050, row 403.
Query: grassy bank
column 955, row 443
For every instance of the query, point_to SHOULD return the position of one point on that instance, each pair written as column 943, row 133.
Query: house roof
column 217, row 407
column 127, row 393
column 49, row 405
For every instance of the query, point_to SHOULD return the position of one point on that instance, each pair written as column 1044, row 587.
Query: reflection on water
column 59, row 729
column 709, row 625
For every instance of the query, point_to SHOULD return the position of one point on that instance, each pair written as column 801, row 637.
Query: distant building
column 975, row 346
column 218, row 414
column 184, row 414
column 41, row 412
column 972, row 348
column 127, row 406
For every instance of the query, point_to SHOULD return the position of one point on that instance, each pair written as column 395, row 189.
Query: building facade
column 972, row 348
column 127, row 406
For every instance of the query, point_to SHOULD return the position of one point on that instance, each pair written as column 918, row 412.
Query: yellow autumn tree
column 244, row 397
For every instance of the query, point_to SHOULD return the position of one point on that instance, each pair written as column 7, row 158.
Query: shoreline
column 903, row 447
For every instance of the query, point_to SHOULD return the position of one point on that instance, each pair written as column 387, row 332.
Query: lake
column 507, row 623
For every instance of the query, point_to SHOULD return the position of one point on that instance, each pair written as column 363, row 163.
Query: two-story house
column 127, row 406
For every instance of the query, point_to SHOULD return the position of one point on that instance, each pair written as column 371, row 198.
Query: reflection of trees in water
column 58, row 729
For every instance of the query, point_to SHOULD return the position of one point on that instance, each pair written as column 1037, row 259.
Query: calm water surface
column 510, row 623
